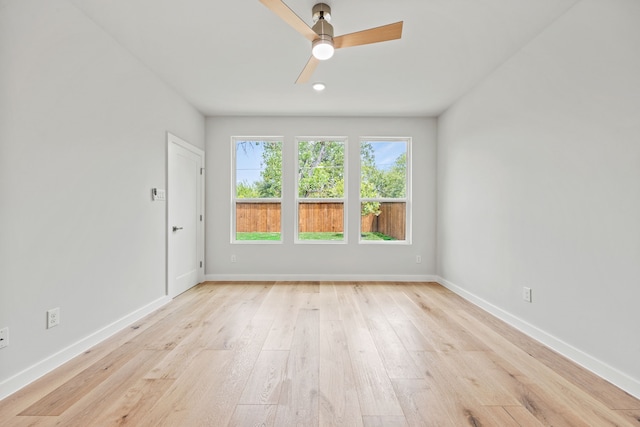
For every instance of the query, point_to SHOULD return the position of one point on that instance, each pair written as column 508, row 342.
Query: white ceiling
column 238, row 58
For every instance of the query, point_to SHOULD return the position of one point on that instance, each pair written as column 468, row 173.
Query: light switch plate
column 4, row 337
column 158, row 194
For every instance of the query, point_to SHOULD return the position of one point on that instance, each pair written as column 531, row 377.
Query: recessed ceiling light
column 319, row 87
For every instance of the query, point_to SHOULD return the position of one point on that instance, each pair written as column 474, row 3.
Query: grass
column 257, row 236
column 375, row 235
column 321, row 236
column 311, row 236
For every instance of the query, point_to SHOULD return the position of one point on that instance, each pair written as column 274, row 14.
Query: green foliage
column 320, row 169
column 394, row 182
column 370, row 175
column 245, row 190
column 378, row 183
column 271, row 184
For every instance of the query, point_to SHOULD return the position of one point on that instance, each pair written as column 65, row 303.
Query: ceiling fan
column 321, row 34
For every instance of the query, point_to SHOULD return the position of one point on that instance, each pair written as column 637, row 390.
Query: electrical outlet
column 418, row 259
column 526, row 294
column 233, row 258
column 4, row 337
column 53, row 317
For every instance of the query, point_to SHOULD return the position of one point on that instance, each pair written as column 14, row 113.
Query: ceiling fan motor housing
column 322, row 26
column 321, row 10
column 322, row 47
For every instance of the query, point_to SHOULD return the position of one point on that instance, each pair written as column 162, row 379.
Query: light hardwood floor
column 320, row 353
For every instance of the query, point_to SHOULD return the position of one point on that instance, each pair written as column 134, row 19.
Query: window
column 257, row 190
column 321, row 190
column 384, row 190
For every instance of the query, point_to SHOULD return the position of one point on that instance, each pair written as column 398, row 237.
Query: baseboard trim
column 320, row 277
column 32, row 373
column 598, row 367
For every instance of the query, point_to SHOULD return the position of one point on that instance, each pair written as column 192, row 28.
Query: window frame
column 298, row 200
column 235, row 199
column 407, row 200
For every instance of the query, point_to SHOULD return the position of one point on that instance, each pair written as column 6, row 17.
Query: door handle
column 176, row 228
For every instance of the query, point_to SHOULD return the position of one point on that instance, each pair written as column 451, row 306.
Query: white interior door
column 185, row 194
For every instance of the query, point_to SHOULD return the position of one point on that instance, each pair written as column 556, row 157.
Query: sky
column 248, row 161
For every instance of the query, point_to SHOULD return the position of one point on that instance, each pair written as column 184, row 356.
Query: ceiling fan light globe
column 322, row 49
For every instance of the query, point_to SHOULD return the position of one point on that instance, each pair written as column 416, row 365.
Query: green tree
column 369, row 176
column 271, row 184
column 245, row 190
column 380, row 183
column 393, row 183
column 320, row 169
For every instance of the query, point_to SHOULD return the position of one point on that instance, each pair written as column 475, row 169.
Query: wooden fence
column 391, row 221
column 257, row 217
column 320, row 217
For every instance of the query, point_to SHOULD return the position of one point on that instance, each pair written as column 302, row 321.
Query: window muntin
column 384, row 190
column 320, row 195
column 257, row 190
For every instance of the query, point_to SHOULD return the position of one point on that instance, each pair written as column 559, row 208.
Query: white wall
column 539, row 186
column 82, row 142
column 305, row 261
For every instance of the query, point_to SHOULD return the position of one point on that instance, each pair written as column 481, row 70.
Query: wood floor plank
column 98, row 401
column 32, row 421
column 442, row 398
column 196, row 334
column 523, row 416
column 422, row 408
column 631, row 415
column 224, row 374
column 393, row 354
column 283, row 326
column 450, row 334
column 193, row 398
column 254, row 416
column 233, row 327
column 375, row 392
column 298, row 403
column 133, row 406
column 62, row 398
column 481, row 378
column 175, row 326
column 377, row 421
column 265, row 382
column 409, row 335
column 339, row 405
column 319, row 354
column 328, row 302
column 308, row 287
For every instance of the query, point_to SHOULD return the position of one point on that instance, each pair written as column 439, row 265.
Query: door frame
column 173, row 139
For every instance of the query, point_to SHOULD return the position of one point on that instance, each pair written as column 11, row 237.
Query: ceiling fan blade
column 282, row 10
column 308, row 70
column 372, row 35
